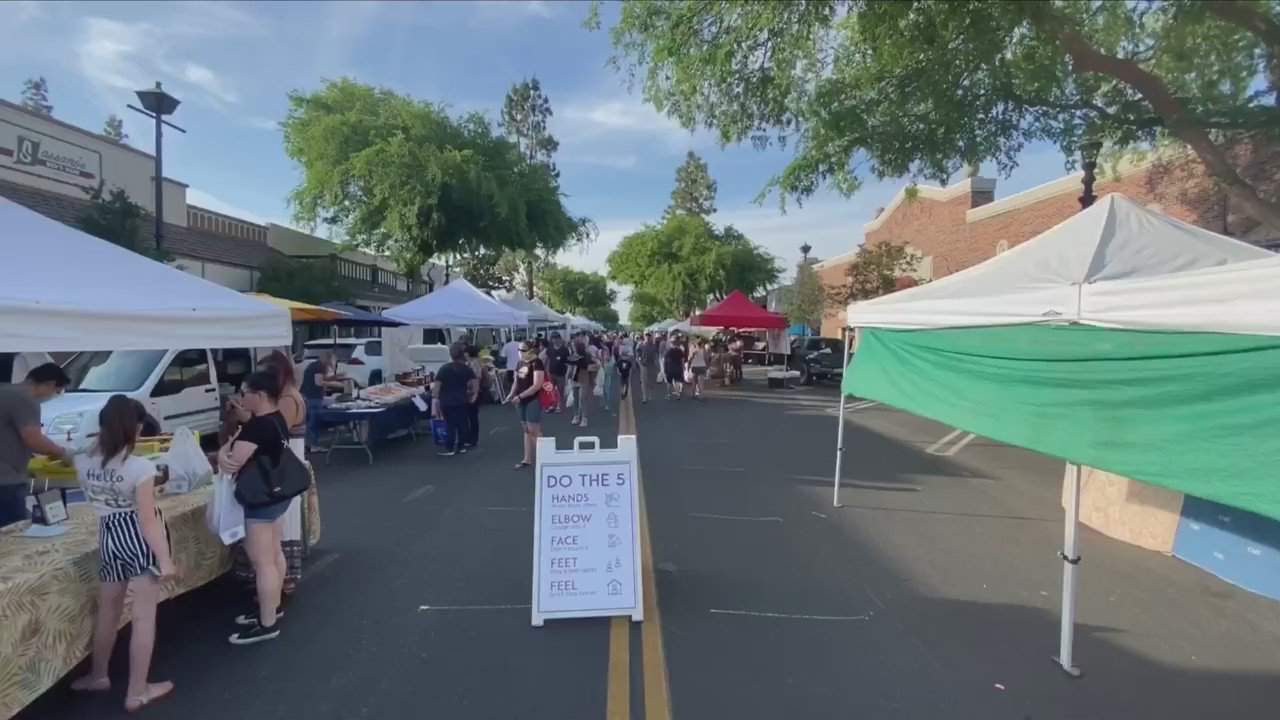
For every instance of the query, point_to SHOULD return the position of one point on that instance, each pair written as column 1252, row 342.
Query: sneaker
column 462, row 451
column 446, row 453
column 255, row 634
column 583, row 423
column 573, row 421
column 251, row 618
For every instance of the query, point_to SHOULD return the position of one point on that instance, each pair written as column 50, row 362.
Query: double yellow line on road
column 657, row 691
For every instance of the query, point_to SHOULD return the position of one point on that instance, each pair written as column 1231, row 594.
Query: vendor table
column 366, row 426
column 48, row 588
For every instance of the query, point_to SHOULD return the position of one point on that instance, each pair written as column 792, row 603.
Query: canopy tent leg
column 835, row 484
column 1070, row 564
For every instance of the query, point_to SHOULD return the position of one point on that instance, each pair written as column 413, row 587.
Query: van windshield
column 111, row 370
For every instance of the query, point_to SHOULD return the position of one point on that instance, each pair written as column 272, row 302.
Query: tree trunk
column 1087, row 59
column 528, row 278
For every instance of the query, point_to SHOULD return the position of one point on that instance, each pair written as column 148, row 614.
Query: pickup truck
column 817, row 358
column 178, row 387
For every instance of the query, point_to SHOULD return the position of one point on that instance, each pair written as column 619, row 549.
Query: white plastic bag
column 662, row 377
column 224, row 515
column 571, row 393
column 188, row 466
column 599, row 388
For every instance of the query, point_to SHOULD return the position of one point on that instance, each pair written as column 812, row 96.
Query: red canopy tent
column 737, row 311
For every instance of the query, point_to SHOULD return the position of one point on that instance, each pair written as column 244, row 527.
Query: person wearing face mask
column 265, row 435
column 530, row 375
column 20, row 436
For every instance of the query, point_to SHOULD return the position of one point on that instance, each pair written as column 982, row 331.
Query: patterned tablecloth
column 48, row 587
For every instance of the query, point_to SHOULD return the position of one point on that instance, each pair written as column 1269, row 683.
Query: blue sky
column 233, row 63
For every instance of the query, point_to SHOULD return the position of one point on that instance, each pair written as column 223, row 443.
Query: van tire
column 375, row 377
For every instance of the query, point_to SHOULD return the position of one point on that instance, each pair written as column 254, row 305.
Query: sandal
column 154, row 692
column 91, row 684
column 522, row 465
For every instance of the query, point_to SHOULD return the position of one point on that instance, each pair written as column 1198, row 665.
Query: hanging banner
column 586, row 531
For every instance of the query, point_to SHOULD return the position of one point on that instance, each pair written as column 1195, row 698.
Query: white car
column 358, row 358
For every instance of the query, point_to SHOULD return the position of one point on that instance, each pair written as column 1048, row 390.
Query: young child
column 134, row 545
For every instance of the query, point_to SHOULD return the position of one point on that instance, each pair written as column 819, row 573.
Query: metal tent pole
column 1070, row 564
column 835, row 485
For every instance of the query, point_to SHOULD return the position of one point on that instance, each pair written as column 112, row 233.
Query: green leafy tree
column 679, row 266
column 875, row 270
column 35, row 96
column 114, row 217
column 309, row 281
column 807, row 298
column 695, row 190
column 924, row 87
column 645, row 309
column 113, row 128
column 404, row 178
column 583, row 293
column 525, row 113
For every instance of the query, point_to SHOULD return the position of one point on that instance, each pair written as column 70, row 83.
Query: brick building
column 959, row 226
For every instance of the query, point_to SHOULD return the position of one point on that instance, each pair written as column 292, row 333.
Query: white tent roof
column 663, row 326
column 1057, row 274
column 1241, row 298
column 458, row 304
column 64, row 290
column 538, row 313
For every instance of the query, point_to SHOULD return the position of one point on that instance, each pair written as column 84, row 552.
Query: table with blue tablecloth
column 361, row 428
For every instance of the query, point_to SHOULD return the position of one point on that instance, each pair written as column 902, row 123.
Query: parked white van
column 180, row 388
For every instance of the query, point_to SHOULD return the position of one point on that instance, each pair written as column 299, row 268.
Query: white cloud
column 541, row 8
column 209, row 81
column 117, row 55
column 618, row 115
column 619, row 161
column 261, row 123
column 24, row 10
column 195, row 196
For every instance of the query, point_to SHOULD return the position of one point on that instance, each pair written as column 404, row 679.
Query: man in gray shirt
column 20, row 436
column 649, row 353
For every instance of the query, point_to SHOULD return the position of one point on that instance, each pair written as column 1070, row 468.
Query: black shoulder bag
column 260, row 483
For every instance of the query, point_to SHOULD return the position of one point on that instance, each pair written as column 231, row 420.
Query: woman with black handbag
column 266, row 481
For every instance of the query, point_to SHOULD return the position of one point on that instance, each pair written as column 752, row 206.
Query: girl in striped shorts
column 134, row 545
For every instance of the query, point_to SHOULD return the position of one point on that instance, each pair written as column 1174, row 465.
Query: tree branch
column 1179, row 121
column 1247, row 16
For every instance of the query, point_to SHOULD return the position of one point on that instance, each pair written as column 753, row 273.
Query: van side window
column 188, row 369
column 373, row 348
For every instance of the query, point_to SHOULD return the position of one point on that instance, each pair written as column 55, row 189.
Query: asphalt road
column 932, row 593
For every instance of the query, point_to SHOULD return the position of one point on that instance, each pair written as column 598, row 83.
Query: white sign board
column 586, row 531
column 27, row 151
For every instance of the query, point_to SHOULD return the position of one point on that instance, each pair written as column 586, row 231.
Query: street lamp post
column 156, row 103
column 1089, row 150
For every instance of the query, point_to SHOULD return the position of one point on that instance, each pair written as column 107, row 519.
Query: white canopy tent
column 539, row 314
column 688, row 328
column 662, row 326
column 1116, row 265
column 458, row 304
column 64, row 290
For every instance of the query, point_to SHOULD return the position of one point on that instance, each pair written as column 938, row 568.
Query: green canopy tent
column 1121, row 339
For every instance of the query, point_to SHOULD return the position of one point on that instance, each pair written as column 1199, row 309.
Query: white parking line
column 508, row 509
column 788, row 616
column 429, row 608
column 420, row 492
column 862, row 405
column 937, row 448
column 712, row 516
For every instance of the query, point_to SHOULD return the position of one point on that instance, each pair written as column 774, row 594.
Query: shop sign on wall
column 33, row 153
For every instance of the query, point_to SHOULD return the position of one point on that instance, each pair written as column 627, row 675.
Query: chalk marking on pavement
column 713, row 469
column 875, row 599
column 498, row 429
column 862, row 405
column 314, row 568
column 789, row 616
column 653, row 655
column 420, row 492
column 508, row 509
column 713, row 516
column 429, row 608
column 815, row 513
